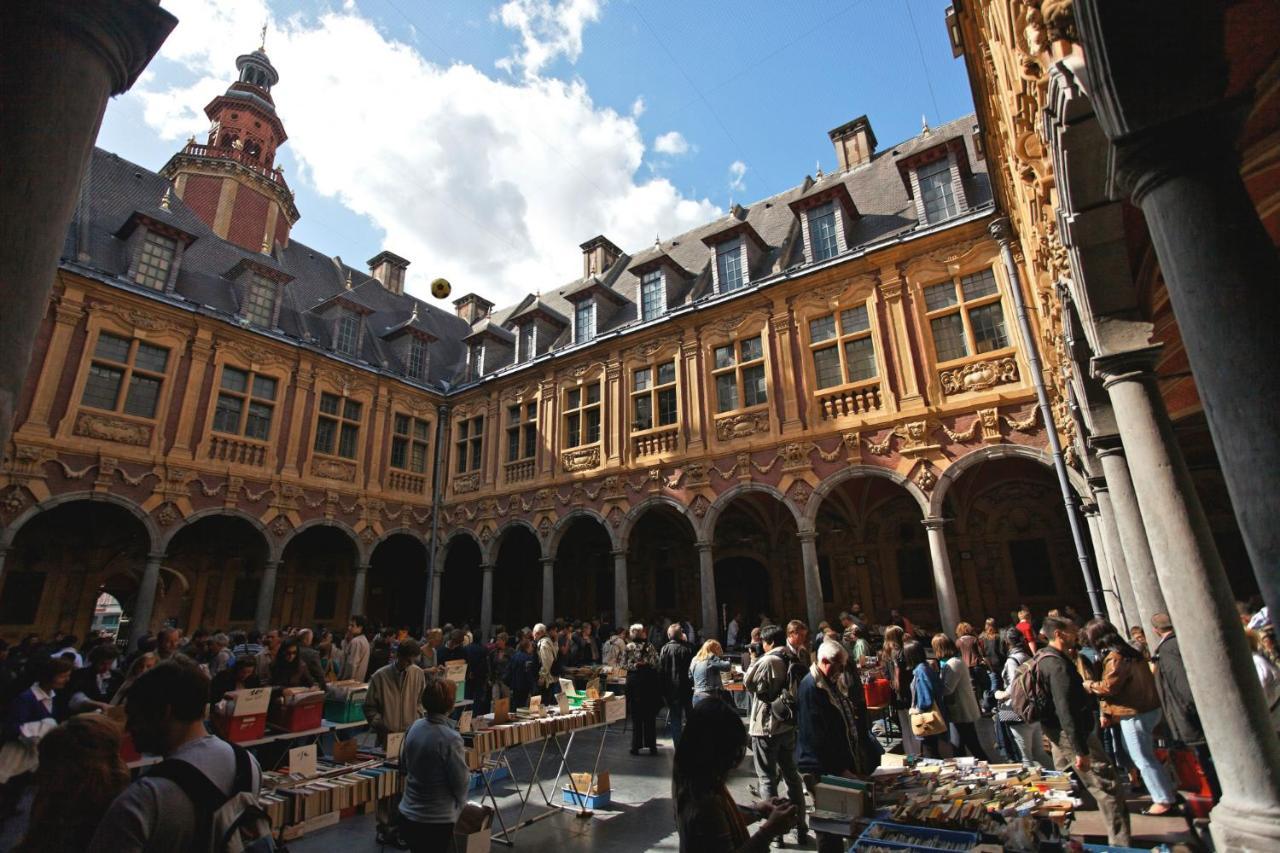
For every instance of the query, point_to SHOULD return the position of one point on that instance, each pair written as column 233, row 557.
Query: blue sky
column 485, row 140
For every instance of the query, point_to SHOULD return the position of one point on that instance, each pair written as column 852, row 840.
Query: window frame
column 259, row 284
column 145, row 272
column 468, row 443
column 653, row 281
column 730, row 253
column 410, row 441
column 246, row 398
column 526, row 341
column 839, row 340
column 584, row 333
column 653, row 392
column 584, row 408
column 736, row 369
column 947, row 195
column 964, row 307
column 127, row 369
column 416, row 363
column 342, row 421
column 346, row 320
column 813, row 214
column 524, row 429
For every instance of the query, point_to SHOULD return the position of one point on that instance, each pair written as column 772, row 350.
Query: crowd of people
column 1062, row 692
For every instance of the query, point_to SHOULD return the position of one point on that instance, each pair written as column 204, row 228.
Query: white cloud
column 548, row 30
column 737, row 172
column 671, row 143
column 638, row 106
column 491, row 184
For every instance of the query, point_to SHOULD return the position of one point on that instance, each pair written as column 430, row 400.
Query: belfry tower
column 230, row 180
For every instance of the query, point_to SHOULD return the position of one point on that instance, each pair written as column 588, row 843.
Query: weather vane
column 263, row 46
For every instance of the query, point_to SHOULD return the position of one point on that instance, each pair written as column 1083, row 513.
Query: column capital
column 487, row 567
column 618, row 552
column 702, row 546
column 155, row 557
column 934, row 523
column 1105, row 445
column 362, row 567
column 807, row 535
column 1089, row 508
column 1098, row 484
column 1136, row 365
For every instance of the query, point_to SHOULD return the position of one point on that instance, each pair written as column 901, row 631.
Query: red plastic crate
column 240, row 729
column 878, row 692
column 302, row 717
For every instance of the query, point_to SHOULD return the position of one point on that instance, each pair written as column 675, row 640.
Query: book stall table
column 316, row 794
column 539, row 738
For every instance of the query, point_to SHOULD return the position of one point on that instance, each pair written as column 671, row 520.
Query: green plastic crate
column 343, row 711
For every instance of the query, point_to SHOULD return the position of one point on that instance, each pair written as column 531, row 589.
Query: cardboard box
column 839, row 799
column 584, row 784
column 478, row 841
column 615, row 709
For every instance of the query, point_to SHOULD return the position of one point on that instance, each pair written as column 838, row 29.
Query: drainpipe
column 1002, row 231
column 437, row 483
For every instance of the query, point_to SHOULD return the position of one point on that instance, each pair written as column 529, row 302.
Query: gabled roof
column 537, row 307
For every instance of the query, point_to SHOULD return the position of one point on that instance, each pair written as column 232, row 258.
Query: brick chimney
column 389, row 269
column 855, row 142
column 598, row 254
column 473, row 308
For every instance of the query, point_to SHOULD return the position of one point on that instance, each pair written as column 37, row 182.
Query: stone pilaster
column 943, row 583
column 707, row 586
column 266, row 595
column 142, row 611
column 66, row 316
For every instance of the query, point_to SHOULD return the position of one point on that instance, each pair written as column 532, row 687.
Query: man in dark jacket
column 477, row 689
column 1069, row 722
column 91, row 687
column 677, row 685
column 1179, row 705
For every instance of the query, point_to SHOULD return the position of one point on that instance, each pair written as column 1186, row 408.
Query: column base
column 1252, row 827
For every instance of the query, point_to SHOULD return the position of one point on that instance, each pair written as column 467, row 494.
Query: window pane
column 402, row 425
column 726, row 392
column 979, row 284
column 399, row 452
column 753, row 387
column 347, row 441
column 329, row 404
column 102, row 387
column 643, row 412
column 666, row 407
column 593, row 394
column 155, row 261
column 988, row 327
column 854, row 320
column 513, row 444
column 530, row 439
column 574, row 398
column 417, row 358
column 593, row 426
column 112, row 348
column 822, row 231
column 822, row 329
column 226, row 414
column 462, row 429
column 348, row 328
column 477, row 448
column 826, row 367
column 584, row 322
column 151, row 358
column 531, row 411
column 574, row 429
column 462, row 457
column 264, row 387
column 752, row 349
column 948, row 337
column 418, row 458
column 724, row 357
column 526, row 341
column 258, row 424
column 640, row 379
column 143, row 394
column 234, row 380
column 260, row 301
column 936, row 192
column 667, row 373
column 352, row 410
column 325, row 429
column 421, row 429
column 651, row 296
column 729, row 266
column 939, row 296
column 860, row 359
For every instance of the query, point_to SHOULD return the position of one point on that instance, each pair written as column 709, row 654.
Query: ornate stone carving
column 915, row 437
column 15, row 500
column 466, row 483
column 132, row 316
column 166, row 514
column 799, row 493
column 925, row 478
column 612, row 488
column 880, row 448
column 107, row 428
column 334, row 469
column 696, row 474
column 583, row 459
column 795, row 456
column 651, row 347
column 615, row 517
column 741, row 426
column 951, row 254
column 989, row 419
column 544, row 499
column 545, row 526
column 1060, row 19
column 368, row 535
column 979, row 376
column 700, row 506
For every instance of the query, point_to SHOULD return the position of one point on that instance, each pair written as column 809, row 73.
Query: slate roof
column 117, row 188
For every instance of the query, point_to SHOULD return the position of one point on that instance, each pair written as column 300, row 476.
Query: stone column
column 944, row 584
column 61, row 62
column 1133, row 536
column 1110, row 595
column 1219, row 663
column 357, row 591
column 548, row 590
column 812, row 578
column 146, row 599
column 1115, row 551
column 621, row 606
column 436, row 577
column 4, row 552
column 707, row 586
column 486, row 601
column 266, row 595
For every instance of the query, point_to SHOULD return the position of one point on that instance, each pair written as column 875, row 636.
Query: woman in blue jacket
column 926, row 692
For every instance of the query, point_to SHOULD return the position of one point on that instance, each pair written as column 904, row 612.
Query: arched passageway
column 662, row 567
column 318, row 577
column 584, row 570
column 222, row 557
column 460, row 583
column 397, row 583
column 743, row 588
column 517, row 579
column 756, row 526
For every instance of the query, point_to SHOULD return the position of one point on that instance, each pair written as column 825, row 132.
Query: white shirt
column 731, row 635
column 1269, row 677
column 76, row 659
column 46, row 699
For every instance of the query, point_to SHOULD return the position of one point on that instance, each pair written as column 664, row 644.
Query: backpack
column 234, row 824
column 1027, row 697
column 783, row 704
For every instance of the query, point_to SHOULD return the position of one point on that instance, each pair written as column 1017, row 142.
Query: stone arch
column 362, row 555
column 153, row 532
column 274, row 549
column 495, row 544
column 634, row 514
column 853, row 471
column 397, row 531
column 396, row 585
column 708, row 530
column 566, row 521
column 458, row 533
column 985, row 454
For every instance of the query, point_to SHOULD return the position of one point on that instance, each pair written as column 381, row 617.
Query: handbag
column 925, row 723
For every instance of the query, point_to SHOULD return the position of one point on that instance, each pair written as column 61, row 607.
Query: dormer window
column 347, row 335
column 260, row 301
column 528, row 340
column 417, row 366
column 584, row 321
column 936, row 191
column 729, row 269
column 475, row 358
column 822, row 232
column 653, row 295
column 155, row 261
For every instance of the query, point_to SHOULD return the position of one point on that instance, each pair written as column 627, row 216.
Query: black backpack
column 783, row 705
column 232, row 824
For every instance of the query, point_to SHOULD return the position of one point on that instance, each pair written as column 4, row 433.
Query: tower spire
column 262, row 43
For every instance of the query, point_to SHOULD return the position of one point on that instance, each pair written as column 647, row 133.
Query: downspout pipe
column 437, row 487
column 1002, row 231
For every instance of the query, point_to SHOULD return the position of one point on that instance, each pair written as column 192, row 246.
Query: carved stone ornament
column 794, row 456
column 700, row 506
column 615, row 517
column 544, row 528
column 925, row 478
column 799, row 493
column 280, row 526
column 367, row 535
column 741, row 426
column 167, row 514
column 612, row 488
column 696, row 474
column 989, row 419
column 107, row 428
column 466, row 483
column 583, row 459
column 544, row 499
column 979, row 376
column 15, row 500
column 334, row 469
